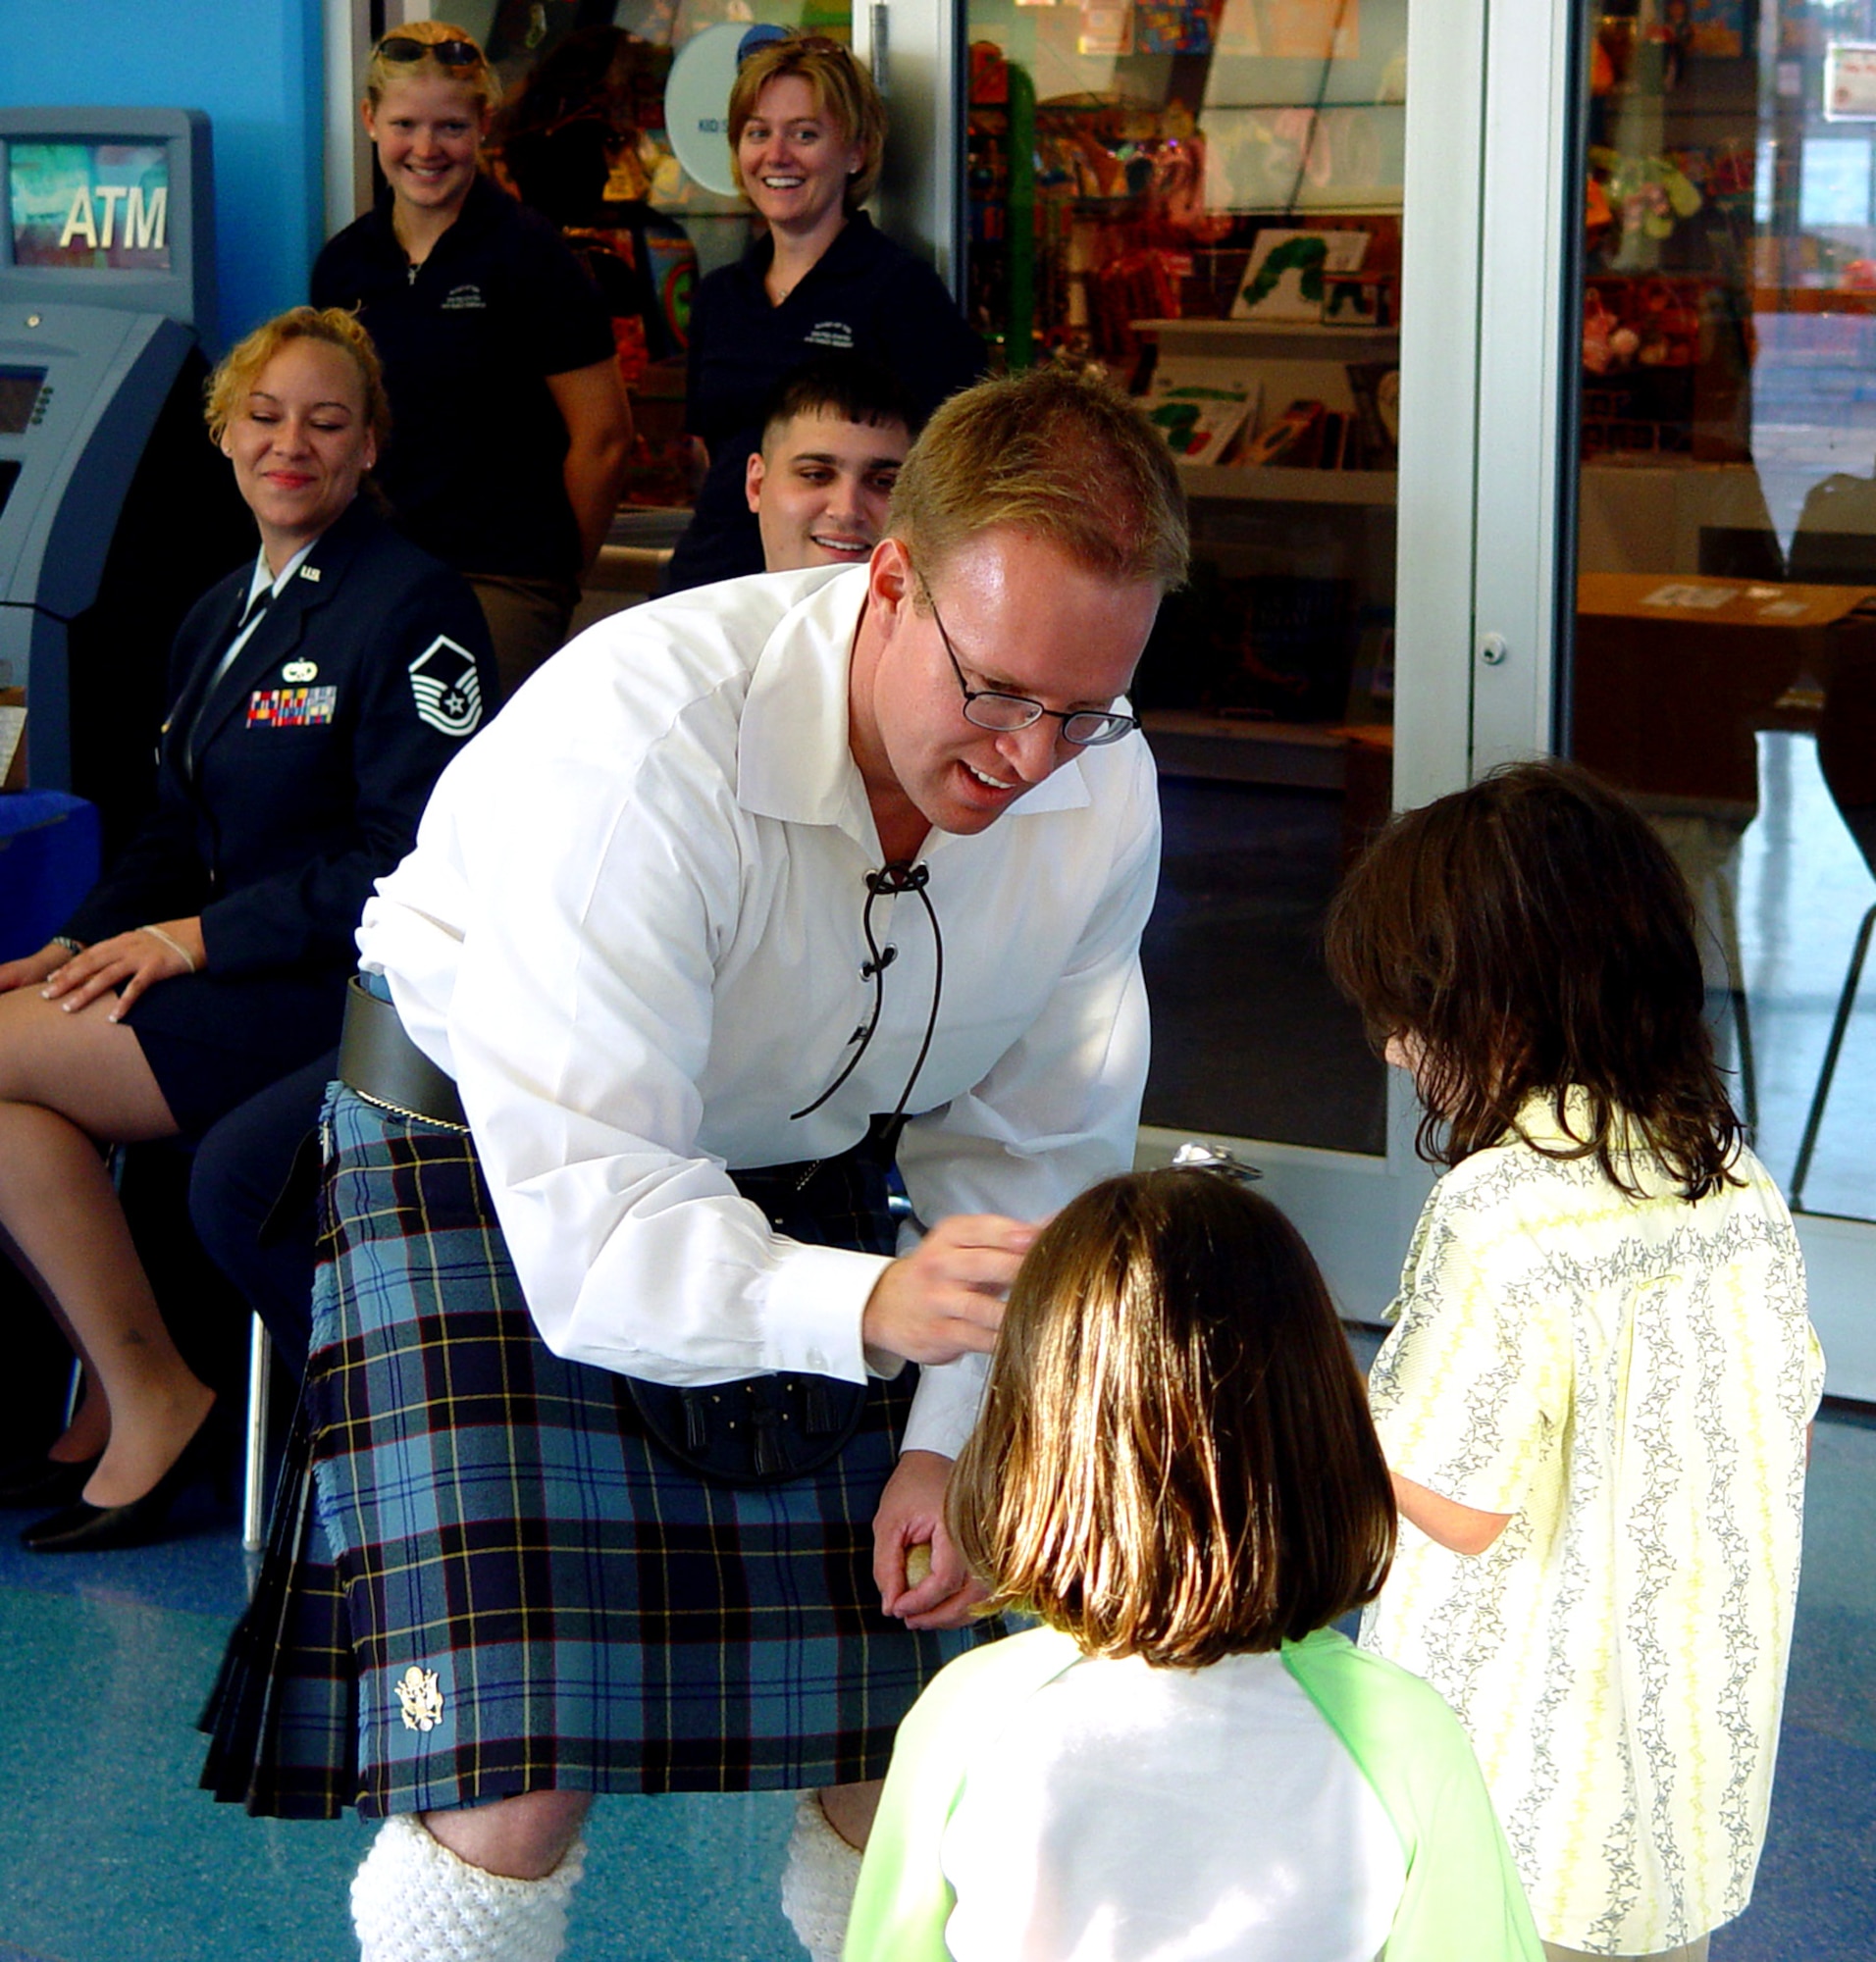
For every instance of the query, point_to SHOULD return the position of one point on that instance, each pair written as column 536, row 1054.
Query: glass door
column 1667, row 585
column 1243, row 210
column 1723, row 666
column 1206, row 200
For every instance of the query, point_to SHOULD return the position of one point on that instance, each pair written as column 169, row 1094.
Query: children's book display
column 1203, row 420
column 1289, row 280
column 1277, row 415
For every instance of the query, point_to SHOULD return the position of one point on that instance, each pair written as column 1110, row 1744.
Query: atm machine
column 115, row 514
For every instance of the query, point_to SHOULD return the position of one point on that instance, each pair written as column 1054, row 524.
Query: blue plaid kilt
column 482, row 1580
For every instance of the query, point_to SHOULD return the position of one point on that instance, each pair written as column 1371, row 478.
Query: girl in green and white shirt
column 1175, row 1472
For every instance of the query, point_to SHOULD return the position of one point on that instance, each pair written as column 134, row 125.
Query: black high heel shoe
column 39, row 1480
column 82, row 1528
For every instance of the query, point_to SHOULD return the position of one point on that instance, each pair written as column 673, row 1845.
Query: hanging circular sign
column 697, row 99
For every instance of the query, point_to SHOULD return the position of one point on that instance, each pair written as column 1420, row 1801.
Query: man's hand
column 945, row 1298
column 912, row 1513
column 135, row 962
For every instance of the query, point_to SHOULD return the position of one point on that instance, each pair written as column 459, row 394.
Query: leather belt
column 379, row 1061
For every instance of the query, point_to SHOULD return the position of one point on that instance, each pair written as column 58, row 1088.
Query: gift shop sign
column 1850, row 82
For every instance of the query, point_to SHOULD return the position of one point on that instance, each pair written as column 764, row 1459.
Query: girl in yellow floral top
column 1594, row 1398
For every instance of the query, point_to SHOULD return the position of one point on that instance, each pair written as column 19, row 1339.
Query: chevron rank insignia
column 447, row 688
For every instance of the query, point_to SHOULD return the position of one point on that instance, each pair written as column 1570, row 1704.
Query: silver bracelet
column 66, row 941
column 175, row 946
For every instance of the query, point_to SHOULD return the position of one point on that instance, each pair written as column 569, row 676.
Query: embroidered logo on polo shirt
column 447, row 688
column 290, row 708
column 830, row 334
column 457, row 298
column 421, row 1698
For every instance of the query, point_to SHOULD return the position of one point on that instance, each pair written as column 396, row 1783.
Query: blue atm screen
column 102, row 207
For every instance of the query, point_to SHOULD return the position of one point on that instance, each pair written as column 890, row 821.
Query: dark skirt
column 491, row 1583
column 213, row 1041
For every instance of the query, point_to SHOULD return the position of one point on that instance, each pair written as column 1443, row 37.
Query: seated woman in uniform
column 319, row 692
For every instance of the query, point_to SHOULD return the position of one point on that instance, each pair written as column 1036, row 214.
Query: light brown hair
column 1175, row 1458
column 1059, row 455
column 843, row 93
column 1531, row 934
column 479, row 79
column 240, row 367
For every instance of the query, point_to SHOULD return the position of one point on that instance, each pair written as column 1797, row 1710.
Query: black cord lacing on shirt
column 891, row 879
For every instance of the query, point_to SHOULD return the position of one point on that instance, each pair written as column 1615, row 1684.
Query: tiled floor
column 108, row 1853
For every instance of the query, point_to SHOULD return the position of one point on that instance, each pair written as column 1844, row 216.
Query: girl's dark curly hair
column 1527, row 936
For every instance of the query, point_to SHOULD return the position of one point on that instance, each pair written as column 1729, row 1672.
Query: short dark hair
column 1175, row 1458
column 1531, row 934
column 847, row 385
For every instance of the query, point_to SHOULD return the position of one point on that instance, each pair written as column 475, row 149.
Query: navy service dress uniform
column 468, row 338
column 864, row 294
column 287, row 784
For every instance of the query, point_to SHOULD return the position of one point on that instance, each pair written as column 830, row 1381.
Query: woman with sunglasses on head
column 808, row 135
column 512, row 423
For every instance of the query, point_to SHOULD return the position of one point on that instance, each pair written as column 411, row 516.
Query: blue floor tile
column 1815, row 1900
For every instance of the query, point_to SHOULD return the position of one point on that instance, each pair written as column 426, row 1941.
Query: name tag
column 290, row 708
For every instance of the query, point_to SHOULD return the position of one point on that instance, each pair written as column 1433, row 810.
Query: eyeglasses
column 451, row 54
column 992, row 709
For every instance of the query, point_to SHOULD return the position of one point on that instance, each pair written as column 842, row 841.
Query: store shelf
column 1298, row 340
column 1288, row 487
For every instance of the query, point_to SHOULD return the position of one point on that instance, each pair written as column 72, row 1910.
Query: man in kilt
column 610, row 1461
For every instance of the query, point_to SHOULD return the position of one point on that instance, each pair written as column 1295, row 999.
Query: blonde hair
column 478, row 77
column 1062, row 456
column 240, row 367
column 843, row 91
column 1175, row 1458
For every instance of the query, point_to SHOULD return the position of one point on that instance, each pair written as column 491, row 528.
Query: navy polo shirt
column 468, row 338
column 863, row 294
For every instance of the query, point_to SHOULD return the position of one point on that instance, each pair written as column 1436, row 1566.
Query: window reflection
column 1205, row 197
column 1727, row 516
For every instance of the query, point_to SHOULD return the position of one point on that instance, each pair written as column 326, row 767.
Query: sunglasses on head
column 808, row 44
column 451, row 54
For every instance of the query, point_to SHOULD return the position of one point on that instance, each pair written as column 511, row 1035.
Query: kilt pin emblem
column 422, row 1700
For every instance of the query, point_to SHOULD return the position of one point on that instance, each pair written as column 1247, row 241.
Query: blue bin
column 48, row 863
